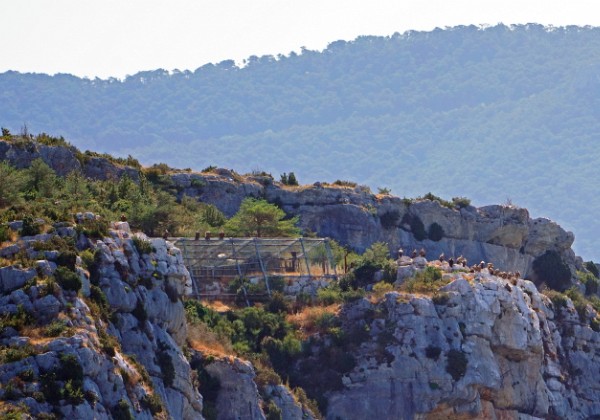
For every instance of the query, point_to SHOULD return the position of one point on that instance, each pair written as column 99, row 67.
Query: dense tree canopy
column 260, row 218
column 498, row 113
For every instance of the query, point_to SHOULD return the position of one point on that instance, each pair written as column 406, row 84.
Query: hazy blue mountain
column 492, row 114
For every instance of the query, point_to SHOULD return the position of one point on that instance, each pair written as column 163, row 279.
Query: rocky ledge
column 112, row 349
column 481, row 347
column 504, row 235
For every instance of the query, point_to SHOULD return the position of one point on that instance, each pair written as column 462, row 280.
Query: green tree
column 42, row 179
column 260, row 218
column 10, row 187
column 292, row 179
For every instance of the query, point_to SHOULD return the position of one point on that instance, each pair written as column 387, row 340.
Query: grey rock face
column 503, row 235
column 13, row 277
column 63, row 160
column 238, row 396
column 149, row 325
column 491, row 349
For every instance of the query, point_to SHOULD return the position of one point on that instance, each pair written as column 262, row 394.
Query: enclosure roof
column 223, row 252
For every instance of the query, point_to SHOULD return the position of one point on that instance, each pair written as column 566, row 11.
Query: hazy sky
column 118, row 37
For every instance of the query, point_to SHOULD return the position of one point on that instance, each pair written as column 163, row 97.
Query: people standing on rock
column 414, row 254
column 400, row 253
column 165, row 234
column 422, row 252
column 442, row 257
column 451, row 262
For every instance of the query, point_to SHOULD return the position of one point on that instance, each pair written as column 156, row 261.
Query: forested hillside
column 493, row 114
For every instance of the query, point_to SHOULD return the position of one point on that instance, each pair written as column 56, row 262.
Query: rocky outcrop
column 484, row 347
column 116, row 351
column 503, row 235
column 62, row 159
column 238, row 396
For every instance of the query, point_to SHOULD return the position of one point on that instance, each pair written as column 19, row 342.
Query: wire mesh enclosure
column 221, row 260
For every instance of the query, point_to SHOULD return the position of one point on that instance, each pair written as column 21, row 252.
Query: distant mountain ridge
column 506, row 112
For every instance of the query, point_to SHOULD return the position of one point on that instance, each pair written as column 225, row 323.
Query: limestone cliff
column 115, row 348
column 63, row 160
column 112, row 349
column 483, row 347
column 504, row 235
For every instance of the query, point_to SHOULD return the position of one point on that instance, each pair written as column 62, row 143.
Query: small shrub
column 4, row 233
column 558, row 299
column 426, row 281
column 592, row 268
column 579, row 301
column 344, row 183
column 17, row 320
column 73, row 392
column 122, row 411
column 70, row 369
column 67, row 259
column 278, row 303
column 143, row 246
column 212, row 216
column 50, row 389
column 590, row 282
column 265, row 375
column 273, row 412
column 153, row 403
column 210, row 168
column 67, row 279
column 108, row 343
column 15, row 354
column 277, row 283
column 30, row 226
column 303, row 399
column 98, row 296
column 27, row 375
column 87, row 258
column 55, row 329
column 457, row 364
column 197, row 183
column 289, row 179
column 461, row 202
column 381, row 288
column 94, row 228
column 433, row 386
column 329, row 296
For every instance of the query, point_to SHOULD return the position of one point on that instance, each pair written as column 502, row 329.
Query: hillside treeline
column 496, row 114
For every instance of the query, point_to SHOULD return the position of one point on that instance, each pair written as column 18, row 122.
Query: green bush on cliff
column 67, row 279
column 426, row 281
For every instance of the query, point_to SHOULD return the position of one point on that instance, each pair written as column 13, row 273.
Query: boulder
column 14, row 277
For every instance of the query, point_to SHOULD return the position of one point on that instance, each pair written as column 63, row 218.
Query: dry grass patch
column 202, row 339
column 313, row 318
column 218, row 306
